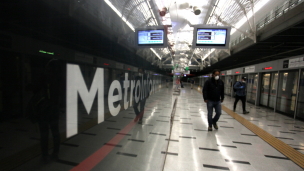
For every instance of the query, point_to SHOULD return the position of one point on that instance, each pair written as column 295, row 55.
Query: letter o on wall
column 111, row 98
column 137, row 95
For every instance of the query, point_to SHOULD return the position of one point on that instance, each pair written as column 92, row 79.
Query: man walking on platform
column 192, row 83
column 167, row 82
column 240, row 88
column 213, row 93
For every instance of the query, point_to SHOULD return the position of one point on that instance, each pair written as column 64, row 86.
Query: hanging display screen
column 150, row 37
column 206, row 36
column 211, row 37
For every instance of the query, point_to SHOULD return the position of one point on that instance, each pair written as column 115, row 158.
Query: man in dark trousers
column 167, row 82
column 240, row 88
column 213, row 93
column 192, row 83
column 48, row 87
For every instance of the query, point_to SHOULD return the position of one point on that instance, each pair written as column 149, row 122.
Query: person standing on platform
column 213, row 93
column 44, row 108
column 177, row 83
column 167, row 82
column 240, row 88
column 192, row 83
column 142, row 101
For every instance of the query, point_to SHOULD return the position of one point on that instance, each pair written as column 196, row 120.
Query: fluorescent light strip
column 155, row 53
column 212, row 50
column 120, row 15
column 152, row 12
column 211, row 14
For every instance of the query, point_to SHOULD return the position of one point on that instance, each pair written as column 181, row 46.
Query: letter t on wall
column 126, row 85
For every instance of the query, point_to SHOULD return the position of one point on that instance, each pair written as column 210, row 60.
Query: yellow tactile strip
column 292, row 154
column 285, row 149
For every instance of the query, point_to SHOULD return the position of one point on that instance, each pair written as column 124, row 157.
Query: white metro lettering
column 76, row 85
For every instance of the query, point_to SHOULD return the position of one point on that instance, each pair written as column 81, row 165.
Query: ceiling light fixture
column 211, row 51
column 155, row 53
column 120, row 15
column 152, row 12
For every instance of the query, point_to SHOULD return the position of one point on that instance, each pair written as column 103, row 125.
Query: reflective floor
column 122, row 144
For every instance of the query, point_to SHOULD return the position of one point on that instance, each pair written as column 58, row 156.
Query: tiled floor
column 192, row 147
column 233, row 146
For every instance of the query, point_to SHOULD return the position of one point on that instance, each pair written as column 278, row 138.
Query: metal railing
column 270, row 17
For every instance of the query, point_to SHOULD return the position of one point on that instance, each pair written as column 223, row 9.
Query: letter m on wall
column 76, row 85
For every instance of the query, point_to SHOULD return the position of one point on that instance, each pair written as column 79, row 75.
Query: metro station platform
column 119, row 143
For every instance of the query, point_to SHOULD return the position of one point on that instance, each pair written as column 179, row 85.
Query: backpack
column 39, row 104
column 234, row 84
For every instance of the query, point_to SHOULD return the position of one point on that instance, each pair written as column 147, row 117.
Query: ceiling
column 106, row 26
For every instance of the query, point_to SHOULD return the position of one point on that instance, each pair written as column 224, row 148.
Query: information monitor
column 151, row 37
column 217, row 37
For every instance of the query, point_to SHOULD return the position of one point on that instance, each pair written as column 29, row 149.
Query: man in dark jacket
column 240, row 94
column 213, row 93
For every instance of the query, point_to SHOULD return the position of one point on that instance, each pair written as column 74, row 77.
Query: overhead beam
column 228, row 24
column 245, row 13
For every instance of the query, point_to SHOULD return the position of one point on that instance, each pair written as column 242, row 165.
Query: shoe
column 215, row 126
column 136, row 119
column 210, row 128
column 139, row 122
column 245, row 112
column 234, row 110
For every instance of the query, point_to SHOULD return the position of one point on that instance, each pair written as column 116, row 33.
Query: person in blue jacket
column 240, row 88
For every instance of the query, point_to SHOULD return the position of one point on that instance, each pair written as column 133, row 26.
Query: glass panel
column 254, row 87
column 273, row 89
column 109, row 102
column 300, row 109
column 265, row 89
column 228, row 84
column 249, row 87
column 237, row 78
column 287, row 92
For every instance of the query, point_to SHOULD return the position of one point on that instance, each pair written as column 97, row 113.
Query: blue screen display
column 211, row 37
column 151, row 37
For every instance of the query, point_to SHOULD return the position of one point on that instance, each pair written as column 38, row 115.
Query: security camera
column 196, row 10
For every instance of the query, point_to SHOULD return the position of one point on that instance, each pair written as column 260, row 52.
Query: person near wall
column 192, row 83
column 43, row 108
column 213, row 93
column 142, row 101
column 167, row 82
column 240, row 91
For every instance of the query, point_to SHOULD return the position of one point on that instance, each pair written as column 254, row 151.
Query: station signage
column 229, row 72
column 267, row 68
column 296, row 62
column 285, row 64
column 237, row 72
column 249, row 69
column 119, row 65
column 78, row 90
